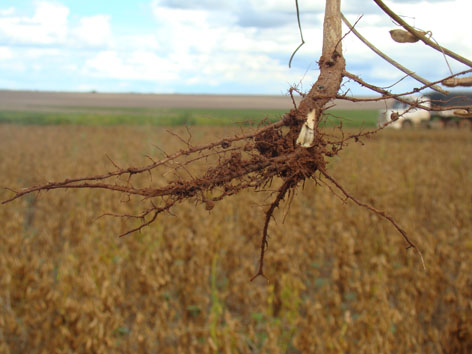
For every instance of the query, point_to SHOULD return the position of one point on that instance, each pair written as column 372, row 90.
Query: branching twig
column 288, row 184
column 376, row 211
column 421, row 35
column 390, row 60
column 69, row 183
column 399, row 97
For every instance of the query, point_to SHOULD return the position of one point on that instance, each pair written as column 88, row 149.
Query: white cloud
column 139, row 41
column 183, row 29
column 138, row 65
column 38, row 53
column 210, row 47
column 225, row 45
column 70, row 67
column 48, row 25
column 286, row 6
column 93, row 31
column 5, row 53
column 7, row 12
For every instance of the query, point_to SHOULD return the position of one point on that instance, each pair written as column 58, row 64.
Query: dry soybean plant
column 291, row 150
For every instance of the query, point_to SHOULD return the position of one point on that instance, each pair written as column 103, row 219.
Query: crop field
column 60, row 108
column 340, row 277
column 176, row 117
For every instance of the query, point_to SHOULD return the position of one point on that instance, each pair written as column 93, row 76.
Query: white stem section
column 306, row 138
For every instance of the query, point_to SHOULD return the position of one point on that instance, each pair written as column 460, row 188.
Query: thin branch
column 140, row 227
column 390, row 60
column 288, row 184
column 301, row 35
column 399, row 97
column 186, row 142
column 351, row 28
column 376, row 211
column 397, row 82
column 61, row 185
column 10, row 189
column 69, row 183
column 385, row 94
column 421, row 35
column 112, row 162
column 463, row 81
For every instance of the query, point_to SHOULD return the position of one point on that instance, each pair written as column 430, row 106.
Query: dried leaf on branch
column 402, row 36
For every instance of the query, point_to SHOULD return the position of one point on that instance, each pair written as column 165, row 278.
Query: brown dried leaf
column 402, row 36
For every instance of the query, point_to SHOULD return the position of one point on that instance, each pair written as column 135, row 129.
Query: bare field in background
column 57, row 108
column 341, row 280
column 60, row 101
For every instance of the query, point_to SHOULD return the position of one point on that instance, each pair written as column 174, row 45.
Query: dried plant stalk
column 421, row 35
column 390, row 60
column 454, row 82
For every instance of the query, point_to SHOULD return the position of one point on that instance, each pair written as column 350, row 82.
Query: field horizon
column 56, row 108
column 50, row 101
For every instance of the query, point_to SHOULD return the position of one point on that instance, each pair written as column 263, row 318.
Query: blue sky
column 208, row 46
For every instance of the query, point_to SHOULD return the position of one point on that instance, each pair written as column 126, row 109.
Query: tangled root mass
column 242, row 162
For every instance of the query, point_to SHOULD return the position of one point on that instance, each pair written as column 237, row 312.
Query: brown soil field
column 43, row 101
column 341, row 280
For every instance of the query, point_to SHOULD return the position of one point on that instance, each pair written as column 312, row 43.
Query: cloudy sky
column 209, row 46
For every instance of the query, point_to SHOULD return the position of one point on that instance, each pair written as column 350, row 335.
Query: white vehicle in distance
column 409, row 117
